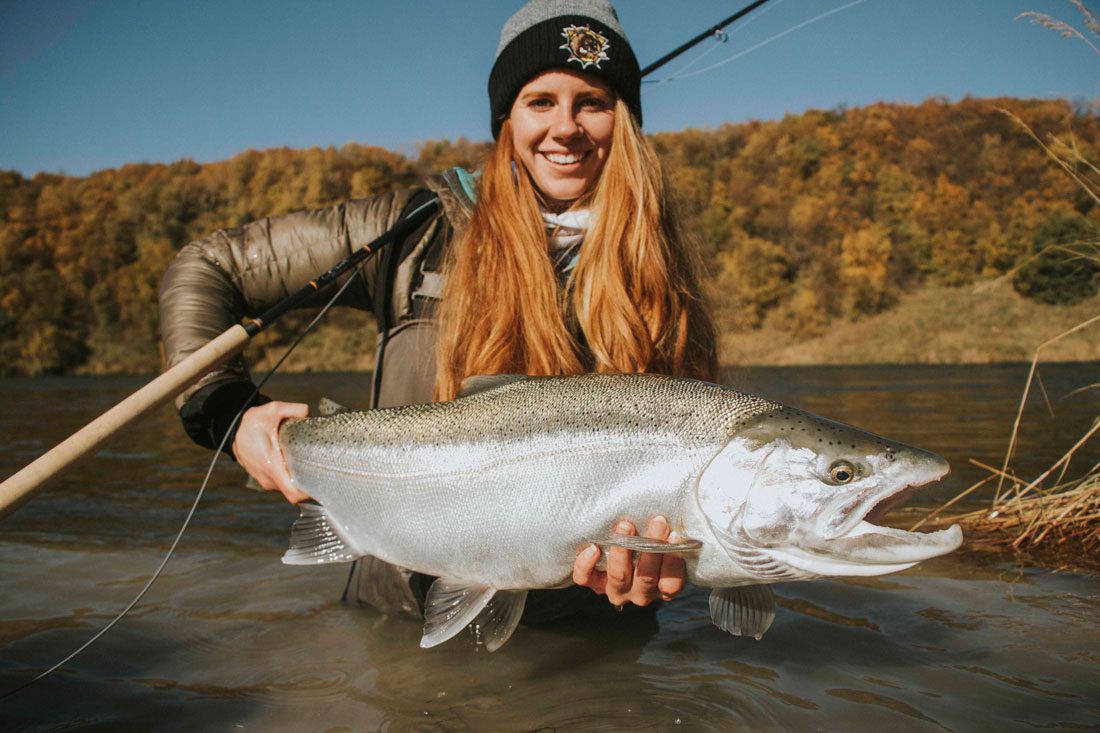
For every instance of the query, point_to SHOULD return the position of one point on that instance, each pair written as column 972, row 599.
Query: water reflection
column 229, row 637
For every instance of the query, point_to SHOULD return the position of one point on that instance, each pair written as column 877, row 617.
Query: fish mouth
column 855, row 536
column 885, row 549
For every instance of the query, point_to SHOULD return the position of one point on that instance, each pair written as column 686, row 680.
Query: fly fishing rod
column 22, row 485
column 712, row 31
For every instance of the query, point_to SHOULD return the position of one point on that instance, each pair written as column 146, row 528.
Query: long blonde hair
column 631, row 305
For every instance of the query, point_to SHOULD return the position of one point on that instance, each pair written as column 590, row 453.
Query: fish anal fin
column 450, row 606
column 746, row 610
column 315, row 539
column 647, row 544
column 484, row 383
column 500, row 617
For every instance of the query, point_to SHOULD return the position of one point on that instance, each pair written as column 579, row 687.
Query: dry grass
column 1065, row 29
column 1049, row 512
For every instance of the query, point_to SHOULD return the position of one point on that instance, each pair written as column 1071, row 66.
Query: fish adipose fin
column 452, row 605
column 646, row 544
column 747, row 610
column 327, row 407
column 315, row 540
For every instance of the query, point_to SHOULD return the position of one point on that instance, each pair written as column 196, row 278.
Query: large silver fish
column 496, row 492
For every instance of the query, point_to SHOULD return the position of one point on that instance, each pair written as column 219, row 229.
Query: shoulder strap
column 463, row 185
column 457, row 191
column 392, row 257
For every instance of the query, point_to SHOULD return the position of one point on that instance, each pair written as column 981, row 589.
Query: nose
column 565, row 123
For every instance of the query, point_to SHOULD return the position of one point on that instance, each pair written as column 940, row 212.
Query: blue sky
column 92, row 84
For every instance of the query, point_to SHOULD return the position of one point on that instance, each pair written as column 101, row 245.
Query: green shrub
column 1066, row 268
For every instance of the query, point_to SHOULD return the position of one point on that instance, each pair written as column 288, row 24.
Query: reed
column 1052, row 511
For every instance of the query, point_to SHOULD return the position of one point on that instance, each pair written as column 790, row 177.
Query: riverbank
column 982, row 324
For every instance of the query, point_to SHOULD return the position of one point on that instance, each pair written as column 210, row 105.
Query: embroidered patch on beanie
column 585, row 46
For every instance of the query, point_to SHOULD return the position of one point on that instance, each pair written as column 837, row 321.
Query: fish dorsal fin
column 450, row 606
column 328, row 408
column 484, row 383
column 747, row 610
column 500, row 617
column 315, row 539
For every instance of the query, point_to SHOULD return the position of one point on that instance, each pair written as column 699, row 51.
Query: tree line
column 822, row 215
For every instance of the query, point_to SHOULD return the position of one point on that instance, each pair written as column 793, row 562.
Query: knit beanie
column 583, row 35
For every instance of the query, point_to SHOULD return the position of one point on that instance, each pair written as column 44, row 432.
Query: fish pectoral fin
column 450, row 606
column 484, row 383
column 747, row 610
column 647, row 544
column 327, row 407
column 499, row 618
column 315, row 539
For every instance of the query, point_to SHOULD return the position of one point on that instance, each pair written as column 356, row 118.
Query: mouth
column 565, row 159
column 888, row 503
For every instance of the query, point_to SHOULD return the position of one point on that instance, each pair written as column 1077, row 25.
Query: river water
column 231, row 639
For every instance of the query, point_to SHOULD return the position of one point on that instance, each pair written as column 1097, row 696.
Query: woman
column 563, row 258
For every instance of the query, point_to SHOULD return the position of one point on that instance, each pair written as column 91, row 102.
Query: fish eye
column 842, row 472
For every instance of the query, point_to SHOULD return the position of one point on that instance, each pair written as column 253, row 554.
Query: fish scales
column 527, row 477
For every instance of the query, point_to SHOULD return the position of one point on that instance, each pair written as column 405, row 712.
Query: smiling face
column 562, row 123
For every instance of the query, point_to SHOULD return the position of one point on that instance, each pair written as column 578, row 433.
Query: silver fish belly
column 497, row 491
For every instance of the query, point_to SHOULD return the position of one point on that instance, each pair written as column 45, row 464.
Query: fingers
column 620, row 568
column 650, row 567
column 673, row 572
column 584, row 569
column 656, row 575
column 256, row 446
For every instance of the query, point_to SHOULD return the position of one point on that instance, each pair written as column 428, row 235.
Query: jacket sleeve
column 240, row 272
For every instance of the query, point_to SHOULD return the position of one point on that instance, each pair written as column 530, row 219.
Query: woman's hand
column 658, row 575
column 257, row 449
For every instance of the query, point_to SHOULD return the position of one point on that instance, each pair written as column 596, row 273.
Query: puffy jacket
column 240, row 272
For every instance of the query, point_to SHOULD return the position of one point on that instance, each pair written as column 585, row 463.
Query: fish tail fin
column 315, row 539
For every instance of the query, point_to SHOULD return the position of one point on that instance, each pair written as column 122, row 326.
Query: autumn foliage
column 815, row 217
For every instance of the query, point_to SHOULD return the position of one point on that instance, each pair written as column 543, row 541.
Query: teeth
column 563, row 159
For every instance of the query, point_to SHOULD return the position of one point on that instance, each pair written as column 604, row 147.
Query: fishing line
column 721, row 36
column 205, row 481
column 777, row 36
